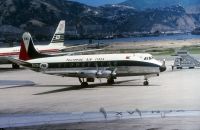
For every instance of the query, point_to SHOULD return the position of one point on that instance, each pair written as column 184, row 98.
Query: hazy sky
column 99, row 2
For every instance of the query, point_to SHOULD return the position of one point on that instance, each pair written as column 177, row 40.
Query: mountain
column 152, row 4
column 162, row 20
column 40, row 17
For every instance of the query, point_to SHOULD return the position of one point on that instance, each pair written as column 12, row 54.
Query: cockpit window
column 148, row 58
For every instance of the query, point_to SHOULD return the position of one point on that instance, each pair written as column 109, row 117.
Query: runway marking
column 19, row 120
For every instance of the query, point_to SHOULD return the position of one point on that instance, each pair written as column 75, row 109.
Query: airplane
column 56, row 45
column 88, row 67
column 96, row 45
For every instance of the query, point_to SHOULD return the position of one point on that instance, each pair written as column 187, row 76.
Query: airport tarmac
column 27, row 93
column 173, row 123
column 172, row 90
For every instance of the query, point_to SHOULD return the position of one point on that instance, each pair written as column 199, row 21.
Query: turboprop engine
column 96, row 74
column 105, row 74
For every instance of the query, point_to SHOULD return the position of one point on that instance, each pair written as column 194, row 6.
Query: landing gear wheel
column 15, row 66
column 146, row 83
column 110, row 81
column 84, row 84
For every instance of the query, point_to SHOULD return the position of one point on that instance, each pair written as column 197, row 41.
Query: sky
column 98, row 2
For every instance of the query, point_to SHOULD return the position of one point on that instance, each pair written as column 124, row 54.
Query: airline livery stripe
column 57, row 41
column 50, row 50
column 58, row 38
column 9, row 54
column 99, row 64
column 17, row 53
column 59, row 34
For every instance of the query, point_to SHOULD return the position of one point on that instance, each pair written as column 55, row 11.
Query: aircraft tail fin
column 28, row 50
column 58, row 38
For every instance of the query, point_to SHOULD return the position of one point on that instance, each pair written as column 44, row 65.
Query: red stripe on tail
column 23, row 55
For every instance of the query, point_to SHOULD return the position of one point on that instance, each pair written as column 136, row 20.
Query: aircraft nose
column 163, row 68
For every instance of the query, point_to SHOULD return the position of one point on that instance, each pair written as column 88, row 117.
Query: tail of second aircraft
column 28, row 50
column 58, row 38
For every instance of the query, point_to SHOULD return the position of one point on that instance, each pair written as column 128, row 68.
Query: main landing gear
column 110, row 80
column 83, row 83
column 15, row 66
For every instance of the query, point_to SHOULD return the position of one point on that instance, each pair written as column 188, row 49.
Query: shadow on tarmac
column 7, row 69
column 99, row 85
column 6, row 84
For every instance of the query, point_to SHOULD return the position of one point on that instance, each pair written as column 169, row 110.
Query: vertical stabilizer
column 28, row 50
column 58, row 38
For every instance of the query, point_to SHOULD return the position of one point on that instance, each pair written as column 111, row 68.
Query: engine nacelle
column 96, row 74
column 87, row 74
column 103, row 74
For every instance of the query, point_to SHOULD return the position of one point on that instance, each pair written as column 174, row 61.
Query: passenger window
column 115, row 63
column 108, row 63
column 88, row 64
column 65, row 65
column 98, row 64
column 83, row 64
column 112, row 63
column 104, row 64
column 93, row 64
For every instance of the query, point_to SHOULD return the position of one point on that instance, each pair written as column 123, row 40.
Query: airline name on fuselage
column 87, row 59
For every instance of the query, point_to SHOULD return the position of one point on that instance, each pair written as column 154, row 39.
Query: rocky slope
column 42, row 16
column 152, row 4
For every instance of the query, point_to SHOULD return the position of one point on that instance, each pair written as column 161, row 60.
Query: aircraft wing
column 84, row 73
column 71, row 47
column 75, row 52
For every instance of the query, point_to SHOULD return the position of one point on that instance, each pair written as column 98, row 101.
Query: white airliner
column 56, row 45
column 88, row 67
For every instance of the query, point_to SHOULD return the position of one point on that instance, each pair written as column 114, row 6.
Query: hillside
column 150, row 4
column 41, row 17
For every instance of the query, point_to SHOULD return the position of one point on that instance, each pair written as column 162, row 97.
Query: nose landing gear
column 15, row 66
column 146, row 82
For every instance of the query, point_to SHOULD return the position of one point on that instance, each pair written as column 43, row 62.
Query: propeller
column 114, row 72
column 98, row 71
column 163, row 62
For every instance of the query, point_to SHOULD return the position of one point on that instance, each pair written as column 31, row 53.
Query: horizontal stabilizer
column 18, row 62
